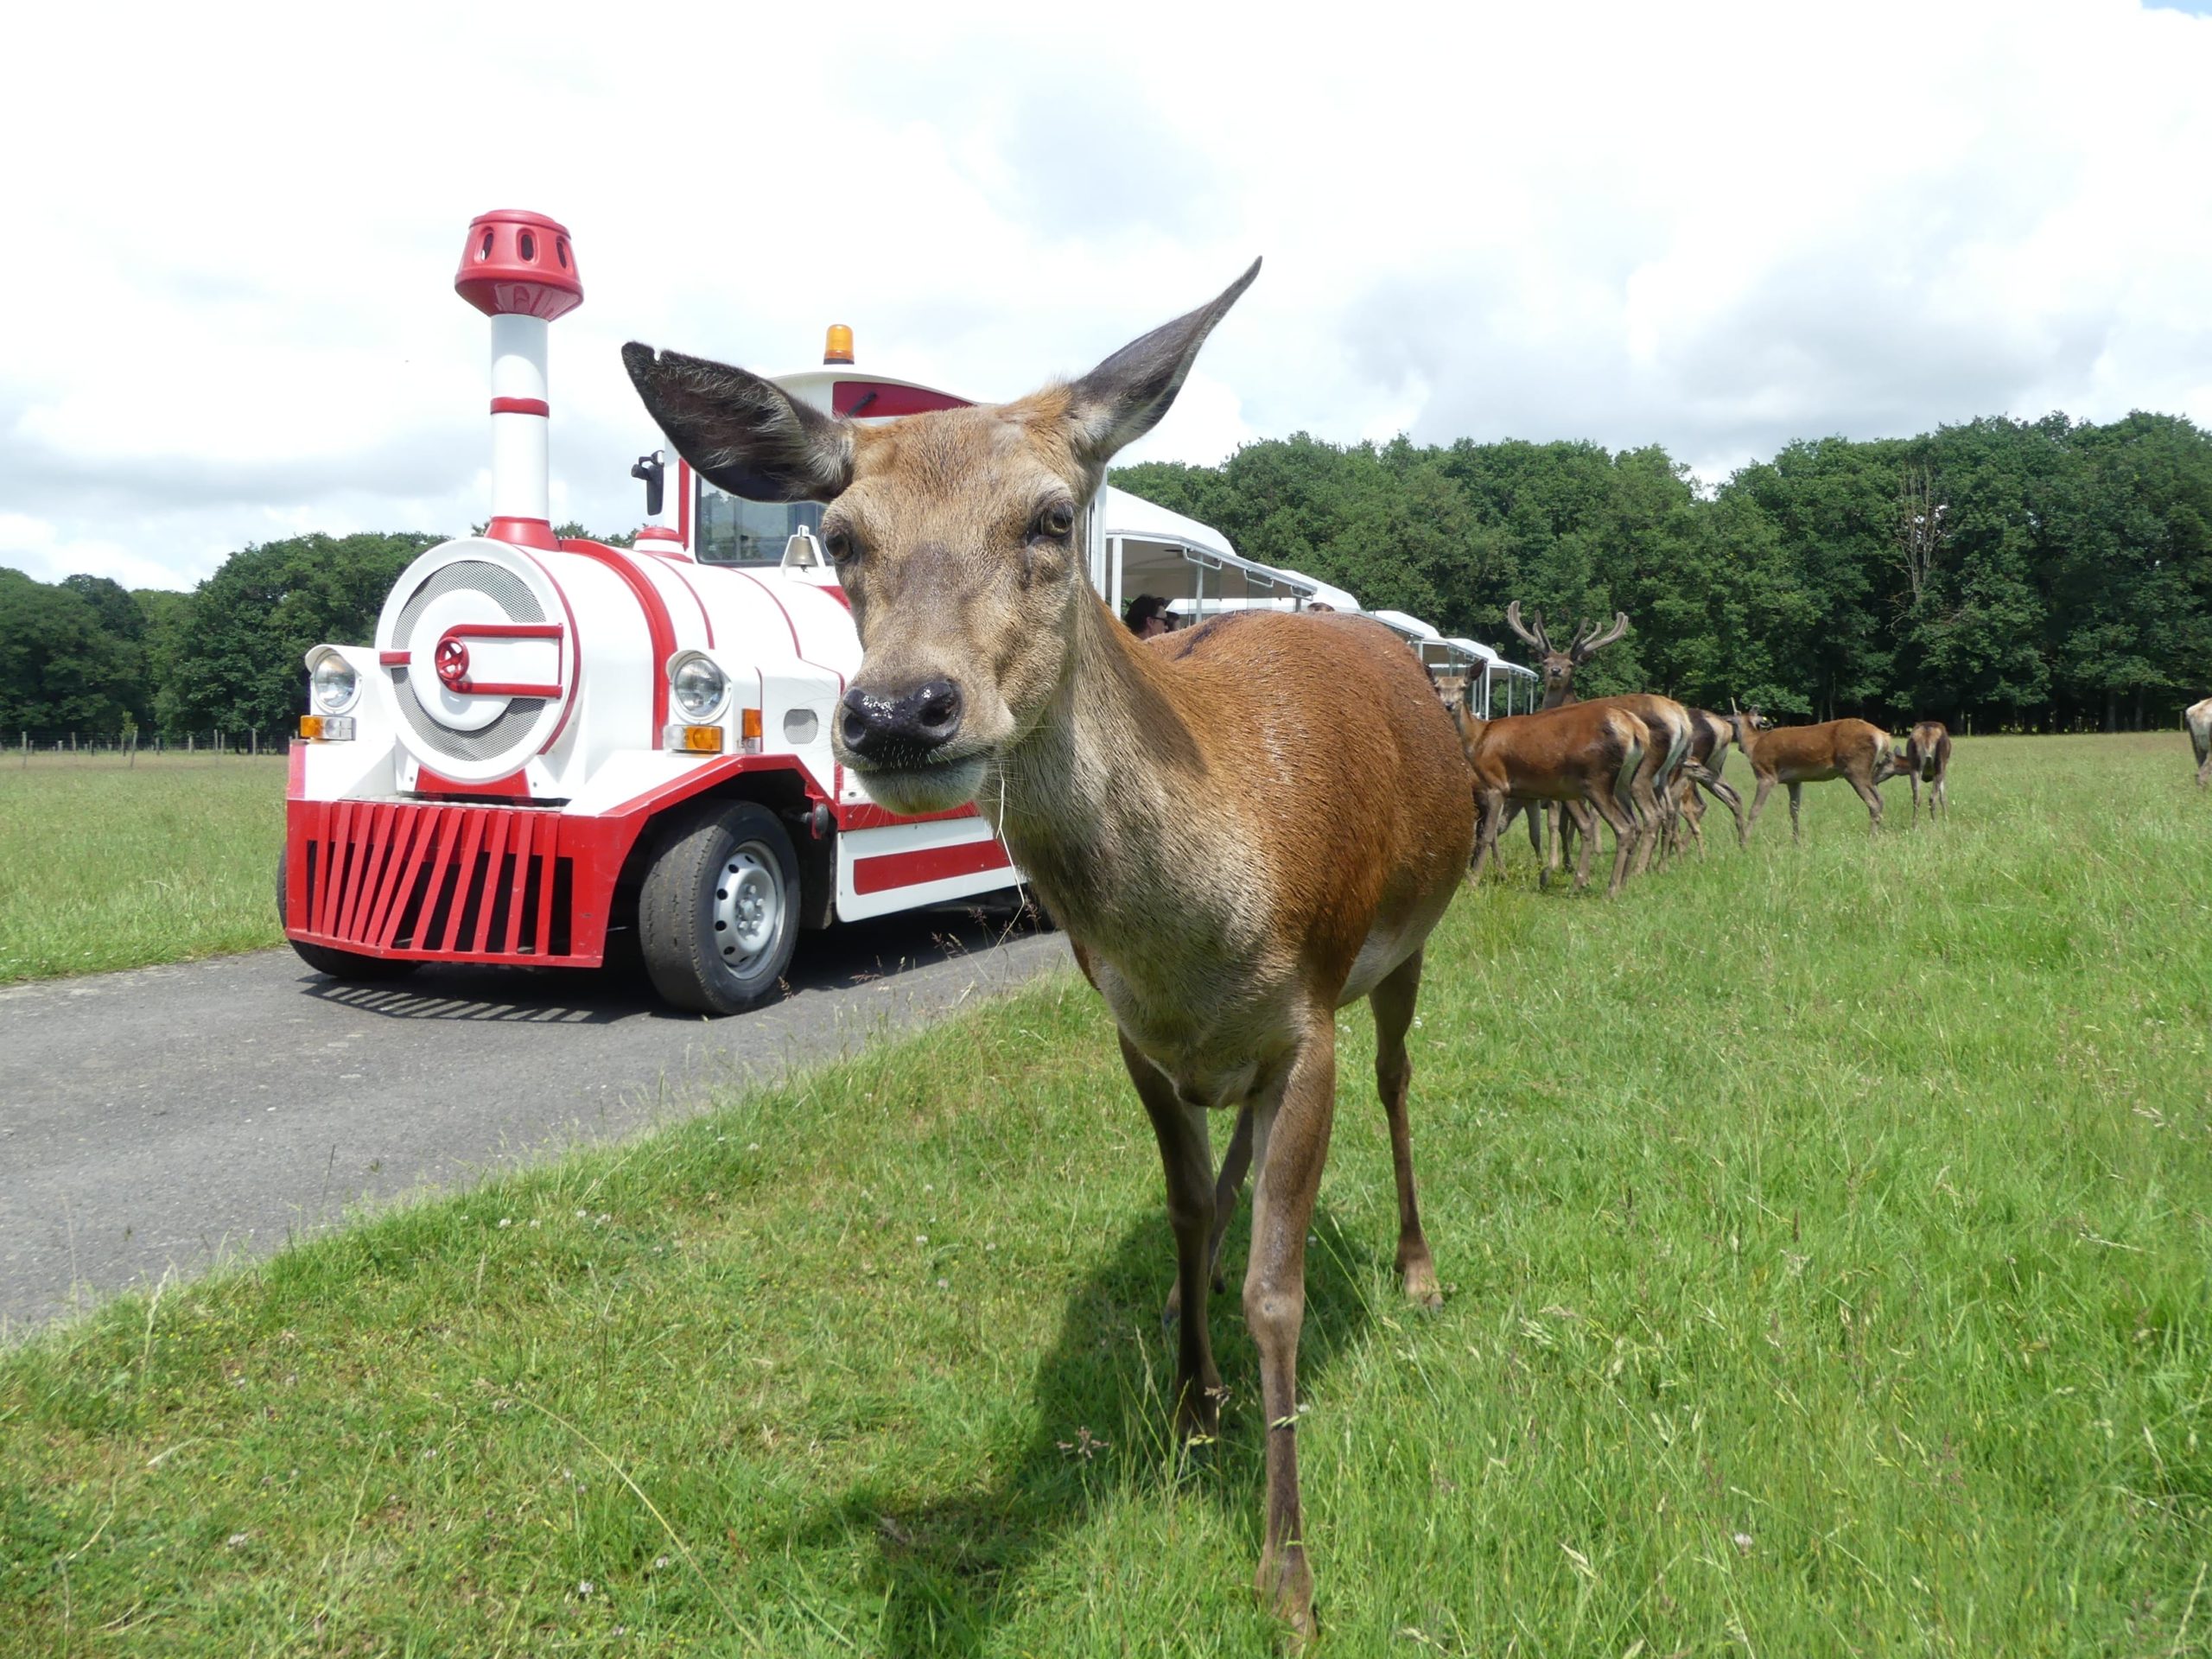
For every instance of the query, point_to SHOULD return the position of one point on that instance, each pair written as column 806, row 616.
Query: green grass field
column 1827, row 1236
column 106, row 865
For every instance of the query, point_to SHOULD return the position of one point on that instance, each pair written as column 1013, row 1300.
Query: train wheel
column 339, row 964
column 718, row 915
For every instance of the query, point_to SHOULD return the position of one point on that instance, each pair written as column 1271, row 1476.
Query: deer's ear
column 745, row 433
column 1121, row 399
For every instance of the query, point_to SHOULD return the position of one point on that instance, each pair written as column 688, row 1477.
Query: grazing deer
column 1853, row 750
column 1927, row 759
column 2198, row 718
column 1242, row 826
column 1585, row 757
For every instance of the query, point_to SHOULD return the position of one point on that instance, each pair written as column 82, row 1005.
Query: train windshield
column 733, row 531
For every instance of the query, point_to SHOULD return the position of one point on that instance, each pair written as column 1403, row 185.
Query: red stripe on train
column 889, row 870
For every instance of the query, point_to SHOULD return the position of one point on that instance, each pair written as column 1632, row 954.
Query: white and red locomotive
column 554, row 739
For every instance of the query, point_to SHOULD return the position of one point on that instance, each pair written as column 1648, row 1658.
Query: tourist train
column 554, row 742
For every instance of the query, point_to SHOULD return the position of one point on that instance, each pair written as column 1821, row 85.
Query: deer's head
column 957, row 534
column 1558, row 666
column 1747, row 721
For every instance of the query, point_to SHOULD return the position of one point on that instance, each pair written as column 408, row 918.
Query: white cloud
column 226, row 311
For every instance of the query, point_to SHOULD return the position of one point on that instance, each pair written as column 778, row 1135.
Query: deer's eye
column 1056, row 523
column 837, row 543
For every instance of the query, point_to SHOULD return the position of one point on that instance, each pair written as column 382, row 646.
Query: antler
column 1590, row 644
column 1535, row 640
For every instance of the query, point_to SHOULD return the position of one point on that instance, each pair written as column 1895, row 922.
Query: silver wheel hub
column 749, row 907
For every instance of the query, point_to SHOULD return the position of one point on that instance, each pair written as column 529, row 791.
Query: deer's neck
column 1104, row 804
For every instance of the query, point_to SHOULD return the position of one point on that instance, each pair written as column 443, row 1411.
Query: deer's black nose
column 900, row 728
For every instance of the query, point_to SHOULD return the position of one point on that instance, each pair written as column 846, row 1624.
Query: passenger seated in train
column 1147, row 615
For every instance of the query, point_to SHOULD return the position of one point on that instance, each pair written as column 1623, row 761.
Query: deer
column 1230, row 869
column 2198, row 718
column 1584, row 756
column 1669, row 721
column 1853, row 750
column 1927, row 759
column 1710, row 736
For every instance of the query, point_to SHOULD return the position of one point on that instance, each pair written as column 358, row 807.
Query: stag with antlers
column 1669, row 721
column 1230, row 869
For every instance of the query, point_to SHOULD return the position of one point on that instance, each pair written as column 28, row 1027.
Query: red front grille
column 417, row 878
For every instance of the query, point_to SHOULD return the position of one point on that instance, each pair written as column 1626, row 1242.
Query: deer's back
column 1323, row 740
column 1813, row 754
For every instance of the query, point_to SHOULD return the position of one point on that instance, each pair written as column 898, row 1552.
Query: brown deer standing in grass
column 1241, row 827
column 1669, row 721
column 1853, row 750
column 2198, row 718
column 1927, row 759
column 1586, row 757
column 1710, row 736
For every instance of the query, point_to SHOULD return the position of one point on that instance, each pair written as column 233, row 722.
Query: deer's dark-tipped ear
column 1121, row 399
column 740, row 431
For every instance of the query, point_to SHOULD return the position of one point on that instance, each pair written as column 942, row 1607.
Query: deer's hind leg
column 1290, row 1142
column 1873, row 796
column 1186, row 1157
column 1393, row 1002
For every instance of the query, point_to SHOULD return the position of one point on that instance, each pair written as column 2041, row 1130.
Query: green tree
column 239, row 664
column 59, row 669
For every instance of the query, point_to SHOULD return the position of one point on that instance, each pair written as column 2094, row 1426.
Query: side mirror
column 654, row 470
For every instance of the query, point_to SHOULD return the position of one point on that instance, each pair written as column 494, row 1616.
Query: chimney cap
column 519, row 262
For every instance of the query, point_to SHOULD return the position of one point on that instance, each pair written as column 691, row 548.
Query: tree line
column 2044, row 574
column 88, row 655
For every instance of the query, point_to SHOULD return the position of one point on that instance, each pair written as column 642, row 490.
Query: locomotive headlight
column 700, row 688
column 332, row 683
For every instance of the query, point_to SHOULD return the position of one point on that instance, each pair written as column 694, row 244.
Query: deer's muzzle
column 901, row 728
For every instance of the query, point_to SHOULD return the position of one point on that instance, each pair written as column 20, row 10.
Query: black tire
column 339, row 964
column 718, row 915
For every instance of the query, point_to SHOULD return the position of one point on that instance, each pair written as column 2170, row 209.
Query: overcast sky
column 231, row 234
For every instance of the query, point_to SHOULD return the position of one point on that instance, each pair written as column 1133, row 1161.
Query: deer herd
column 1640, row 763
column 1228, row 868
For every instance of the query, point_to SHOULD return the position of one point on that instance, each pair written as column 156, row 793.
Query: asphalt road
column 162, row 1120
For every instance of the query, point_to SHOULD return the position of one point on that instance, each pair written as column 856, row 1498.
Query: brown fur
column 1575, row 755
column 1927, row 759
column 1242, row 828
column 1652, row 803
column 1853, row 750
column 1710, row 736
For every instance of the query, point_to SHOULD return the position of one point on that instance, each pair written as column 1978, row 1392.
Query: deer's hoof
column 1198, row 1416
column 1419, row 1276
column 1286, row 1584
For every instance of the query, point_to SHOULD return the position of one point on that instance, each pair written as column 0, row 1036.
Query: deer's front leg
column 1187, row 1159
column 1293, row 1135
column 1759, row 806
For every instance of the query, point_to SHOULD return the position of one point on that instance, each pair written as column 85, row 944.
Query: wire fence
column 258, row 743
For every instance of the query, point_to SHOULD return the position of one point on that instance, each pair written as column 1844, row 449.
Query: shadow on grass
column 950, row 1571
